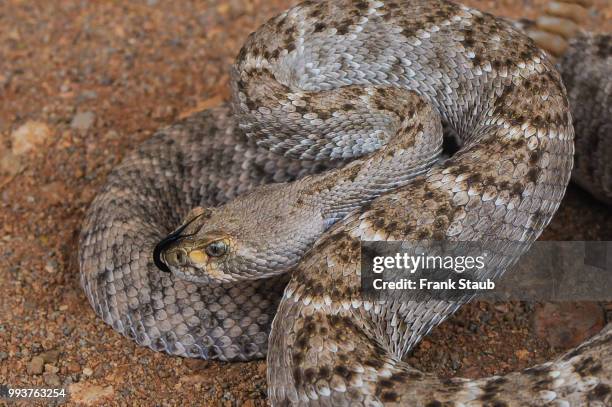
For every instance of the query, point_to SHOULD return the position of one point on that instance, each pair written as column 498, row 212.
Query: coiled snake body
column 320, row 83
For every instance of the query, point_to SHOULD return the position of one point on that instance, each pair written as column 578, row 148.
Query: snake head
column 257, row 235
column 185, row 251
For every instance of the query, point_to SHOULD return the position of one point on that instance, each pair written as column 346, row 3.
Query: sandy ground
column 82, row 83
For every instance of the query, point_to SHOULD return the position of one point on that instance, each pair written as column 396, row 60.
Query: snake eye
column 217, row 249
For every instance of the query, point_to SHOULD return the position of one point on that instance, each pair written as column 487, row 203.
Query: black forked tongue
column 165, row 243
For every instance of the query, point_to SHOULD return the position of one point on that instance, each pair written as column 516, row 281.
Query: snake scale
column 263, row 187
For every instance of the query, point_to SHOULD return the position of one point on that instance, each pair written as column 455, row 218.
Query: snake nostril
column 162, row 257
column 176, row 257
column 165, row 258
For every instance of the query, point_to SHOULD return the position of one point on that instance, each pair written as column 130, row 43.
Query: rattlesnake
column 357, row 71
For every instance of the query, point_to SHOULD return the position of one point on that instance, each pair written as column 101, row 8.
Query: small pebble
column 83, row 121
column 36, row 347
column 50, row 356
column 10, row 163
column 51, row 266
column 88, row 371
column 51, row 379
column 35, row 367
column 73, row 367
column 111, row 135
column 522, row 354
column 196, row 364
column 87, row 95
column 88, row 394
column 28, row 136
column 49, row 368
column 501, row 308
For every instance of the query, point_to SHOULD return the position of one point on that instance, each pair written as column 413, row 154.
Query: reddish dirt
column 90, row 81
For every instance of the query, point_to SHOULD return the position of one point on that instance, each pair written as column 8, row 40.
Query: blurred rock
column 83, row 121
column 52, row 380
column 51, row 266
column 522, row 354
column 35, row 367
column 50, row 356
column 89, row 394
column 55, row 193
column 10, row 163
column 196, row 364
column 503, row 308
column 566, row 325
column 49, row 368
column 471, row 372
column 86, row 95
column 111, row 135
column 28, row 136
